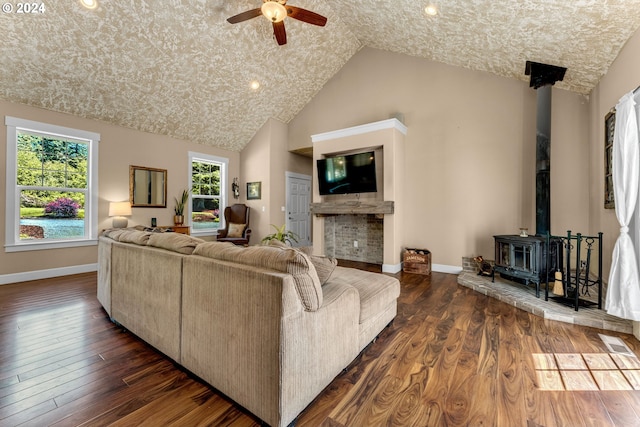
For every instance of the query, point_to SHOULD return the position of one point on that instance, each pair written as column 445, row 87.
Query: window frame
column 13, row 243
column 224, row 170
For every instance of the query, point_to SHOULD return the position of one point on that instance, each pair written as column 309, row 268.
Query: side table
column 184, row 229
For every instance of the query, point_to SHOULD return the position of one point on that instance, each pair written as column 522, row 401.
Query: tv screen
column 352, row 173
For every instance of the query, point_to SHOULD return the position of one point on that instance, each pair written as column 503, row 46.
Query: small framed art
column 254, row 190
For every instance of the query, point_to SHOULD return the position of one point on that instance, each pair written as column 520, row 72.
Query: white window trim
column 223, row 186
column 12, row 214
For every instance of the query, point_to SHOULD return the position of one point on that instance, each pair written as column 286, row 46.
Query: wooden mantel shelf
column 352, row 208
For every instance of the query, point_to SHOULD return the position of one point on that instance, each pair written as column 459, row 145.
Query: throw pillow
column 235, row 230
column 324, row 267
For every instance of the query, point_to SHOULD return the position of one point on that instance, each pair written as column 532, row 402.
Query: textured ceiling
column 176, row 67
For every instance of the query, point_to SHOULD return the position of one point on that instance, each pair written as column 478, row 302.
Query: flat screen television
column 351, row 173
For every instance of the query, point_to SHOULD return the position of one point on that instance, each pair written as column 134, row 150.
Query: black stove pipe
column 543, row 161
column 543, row 77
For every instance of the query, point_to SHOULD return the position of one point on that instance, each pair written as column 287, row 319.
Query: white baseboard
column 438, row 268
column 451, row 269
column 6, row 279
column 391, row 268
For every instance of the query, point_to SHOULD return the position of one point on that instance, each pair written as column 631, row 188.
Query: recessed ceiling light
column 431, row 9
column 89, row 4
column 255, row 85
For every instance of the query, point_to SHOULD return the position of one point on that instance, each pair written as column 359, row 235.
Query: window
column 52, row 186
column 208, row 199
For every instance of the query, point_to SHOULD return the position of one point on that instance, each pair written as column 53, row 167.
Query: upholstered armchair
column 237, row 231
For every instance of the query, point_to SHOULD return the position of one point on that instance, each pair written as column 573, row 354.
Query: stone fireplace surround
column 341, row 231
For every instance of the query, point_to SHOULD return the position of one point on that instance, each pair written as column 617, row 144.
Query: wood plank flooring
column 452, row 357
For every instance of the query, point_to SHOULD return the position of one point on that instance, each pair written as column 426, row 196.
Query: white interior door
column 298, row 208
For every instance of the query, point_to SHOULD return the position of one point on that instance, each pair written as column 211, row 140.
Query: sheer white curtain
column 623, row 293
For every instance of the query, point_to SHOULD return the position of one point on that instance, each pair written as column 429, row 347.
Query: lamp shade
column 119, row 209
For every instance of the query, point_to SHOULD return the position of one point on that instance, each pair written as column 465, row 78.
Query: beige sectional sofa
column 268, row 326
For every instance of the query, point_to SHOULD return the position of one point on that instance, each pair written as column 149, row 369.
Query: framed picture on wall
column 609, row 128
column 254, row 190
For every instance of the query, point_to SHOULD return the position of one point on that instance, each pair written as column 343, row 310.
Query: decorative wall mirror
column 147, row 187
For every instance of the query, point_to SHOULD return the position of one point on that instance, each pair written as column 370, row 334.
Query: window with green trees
column 208, row 177
column 52, row 191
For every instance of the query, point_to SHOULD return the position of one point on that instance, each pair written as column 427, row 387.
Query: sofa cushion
column 376, row 290
column 126, row 235
column 287, row 260
column 176, row 242
column 213, row 249
column 235, row 230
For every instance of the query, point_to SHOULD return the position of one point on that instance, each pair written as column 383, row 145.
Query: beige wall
column 266, row 159
column 621, row 78
column 255, row 162
column 119, row 148
column 470, row 148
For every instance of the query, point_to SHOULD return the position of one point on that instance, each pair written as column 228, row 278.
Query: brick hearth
column 524, row 297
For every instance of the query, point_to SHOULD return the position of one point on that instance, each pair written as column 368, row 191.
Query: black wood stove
column 525, row 259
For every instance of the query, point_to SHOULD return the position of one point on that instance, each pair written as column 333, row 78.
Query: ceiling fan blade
column 280, row 33
column 306, row 16
column 244, row 16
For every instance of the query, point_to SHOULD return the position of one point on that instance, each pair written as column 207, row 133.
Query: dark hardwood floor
column 451, row 357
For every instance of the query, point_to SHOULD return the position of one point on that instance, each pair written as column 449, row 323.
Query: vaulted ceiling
column 177, row 67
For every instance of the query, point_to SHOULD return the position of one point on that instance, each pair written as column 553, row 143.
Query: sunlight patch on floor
column 587, row 371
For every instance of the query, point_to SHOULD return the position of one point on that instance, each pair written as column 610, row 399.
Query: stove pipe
column 543, row 76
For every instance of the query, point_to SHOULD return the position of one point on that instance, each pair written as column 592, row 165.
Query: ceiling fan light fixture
column 274, row 11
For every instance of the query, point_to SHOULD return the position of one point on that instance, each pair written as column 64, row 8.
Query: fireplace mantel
column 352, row 208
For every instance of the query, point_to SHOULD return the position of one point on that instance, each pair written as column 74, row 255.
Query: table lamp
column 118, row 210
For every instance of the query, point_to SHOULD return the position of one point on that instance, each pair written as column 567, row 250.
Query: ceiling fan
column 275, row 11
